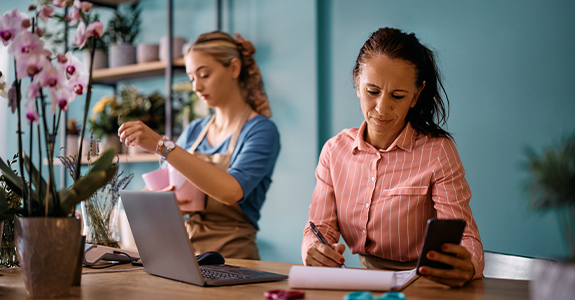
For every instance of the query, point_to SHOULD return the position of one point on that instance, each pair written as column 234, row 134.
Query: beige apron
column 220, row 227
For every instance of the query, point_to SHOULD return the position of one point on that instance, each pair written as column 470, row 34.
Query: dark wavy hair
column 430, row 112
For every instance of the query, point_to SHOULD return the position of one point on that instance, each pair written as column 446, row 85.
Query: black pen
column 320, row 237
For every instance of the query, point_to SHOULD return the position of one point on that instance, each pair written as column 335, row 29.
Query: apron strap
column 202, row 135
column 234, row 140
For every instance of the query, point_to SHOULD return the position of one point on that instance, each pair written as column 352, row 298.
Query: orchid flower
column 61, row 98
column 31, row 113
column 10, row 26
column 70, row 64
column 80, row 39
column 46, row 13
column 33, row 89
column 79, row 84
column 3, row 86
column 26, row 44
column 51, row 77
column 95, row 29
column 85, row 6
column 59, row 3
column 75, row 14
column 31, row 65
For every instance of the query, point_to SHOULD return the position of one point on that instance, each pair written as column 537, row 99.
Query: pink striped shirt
column 380, row 200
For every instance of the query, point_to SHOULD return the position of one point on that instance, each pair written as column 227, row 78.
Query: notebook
column 165, row 250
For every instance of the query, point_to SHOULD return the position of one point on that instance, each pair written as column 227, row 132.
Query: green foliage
column 125, row 24
column 99, row 174
column 552, row 182
column 108, row 114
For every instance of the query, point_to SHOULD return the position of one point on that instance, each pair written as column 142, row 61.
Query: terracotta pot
column 121, row 55
column 48, row 254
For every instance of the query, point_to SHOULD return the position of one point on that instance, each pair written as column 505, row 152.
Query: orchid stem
column 86, row 109
column 27, row 205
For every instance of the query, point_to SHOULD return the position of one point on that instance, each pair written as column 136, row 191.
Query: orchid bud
column 39, row 31
column 69, row 3
column 26, row 23
column 62, row 58
column 32, row 7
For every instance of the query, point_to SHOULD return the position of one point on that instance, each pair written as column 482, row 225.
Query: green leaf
column 104, row 161
column 85, row 187
column 39, row 184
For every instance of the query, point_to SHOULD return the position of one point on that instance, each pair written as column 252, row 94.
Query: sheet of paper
column 340, row 279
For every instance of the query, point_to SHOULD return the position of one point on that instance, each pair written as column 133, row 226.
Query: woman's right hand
column 322, row 255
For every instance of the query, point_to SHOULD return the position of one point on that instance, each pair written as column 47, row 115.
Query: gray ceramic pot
column 48, row 254
column 100, row 59
column 121, row 55
column 147, row 53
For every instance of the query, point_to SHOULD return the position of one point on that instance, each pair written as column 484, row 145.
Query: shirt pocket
column 408, row 191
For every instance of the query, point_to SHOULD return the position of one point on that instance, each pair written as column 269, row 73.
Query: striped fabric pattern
column 380, row 200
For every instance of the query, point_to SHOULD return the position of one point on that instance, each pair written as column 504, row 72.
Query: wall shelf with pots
column 135, row 71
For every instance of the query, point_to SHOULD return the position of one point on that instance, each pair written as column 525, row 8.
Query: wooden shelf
column 124, row 158
column 136, row 71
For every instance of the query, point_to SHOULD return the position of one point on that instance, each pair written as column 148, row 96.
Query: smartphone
column 437, row 233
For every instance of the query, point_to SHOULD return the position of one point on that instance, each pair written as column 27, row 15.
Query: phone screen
column 437, row 233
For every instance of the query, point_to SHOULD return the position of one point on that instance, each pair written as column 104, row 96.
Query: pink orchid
column 31, row 113
column 86, row 6
column 31, row 65
column 10, row 26
column 3, row 86
column 61, row 98
column 75, row 14
column 26, row 44
column 62, row 3
column 95, row 29
column 33, row 89
column 80, row 38
column 50, row 77
column 46, row 13
column 47, row 53
column 79, row 84
column 71, row 64
column 61, row 57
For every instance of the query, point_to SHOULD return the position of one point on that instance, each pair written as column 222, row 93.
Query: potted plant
column 122, row 30
column 104, row 122
column 552, row 188
column 47, row 233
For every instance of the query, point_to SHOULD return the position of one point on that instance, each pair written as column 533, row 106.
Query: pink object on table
column 156, row 180
column 185, row 190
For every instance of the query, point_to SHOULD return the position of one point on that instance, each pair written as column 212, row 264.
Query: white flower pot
column 122, row 55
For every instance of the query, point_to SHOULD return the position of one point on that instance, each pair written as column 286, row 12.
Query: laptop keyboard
column 211, row 274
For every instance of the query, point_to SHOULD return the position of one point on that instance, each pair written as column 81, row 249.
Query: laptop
column 165, row 249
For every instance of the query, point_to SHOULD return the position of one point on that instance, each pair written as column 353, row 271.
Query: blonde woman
column 230, row 155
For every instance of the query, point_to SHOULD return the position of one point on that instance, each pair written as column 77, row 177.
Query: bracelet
column 159, row 146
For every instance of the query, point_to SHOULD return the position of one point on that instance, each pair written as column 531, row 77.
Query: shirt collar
column 405, row 140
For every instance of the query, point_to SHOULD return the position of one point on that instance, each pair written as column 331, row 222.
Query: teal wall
column 508, row 67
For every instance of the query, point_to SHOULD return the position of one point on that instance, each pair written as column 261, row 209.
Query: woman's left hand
column 462, row 272
column 139, row 134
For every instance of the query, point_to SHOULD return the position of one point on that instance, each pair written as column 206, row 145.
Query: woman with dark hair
column 377, row 185
column 230, row 155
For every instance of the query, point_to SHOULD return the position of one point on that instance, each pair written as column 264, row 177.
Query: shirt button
column 372, row 178
column 367, row 205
